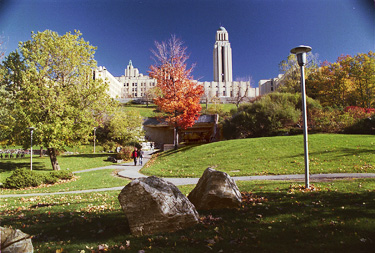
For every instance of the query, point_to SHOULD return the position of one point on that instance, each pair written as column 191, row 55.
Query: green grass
column 43, row 164
column 226, row 108
column 143, row 110
column 84, row 181
column 329, row 153
column 274, row 217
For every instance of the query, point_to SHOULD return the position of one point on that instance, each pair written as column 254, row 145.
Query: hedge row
column 22, row 178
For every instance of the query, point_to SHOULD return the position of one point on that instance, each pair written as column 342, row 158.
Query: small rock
column 215, row 190
column 15, row 241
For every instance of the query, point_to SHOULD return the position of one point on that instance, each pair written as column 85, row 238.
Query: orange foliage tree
column 180, row 95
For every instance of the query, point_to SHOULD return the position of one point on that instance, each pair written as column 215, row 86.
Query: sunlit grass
column 329, row 153
column 43, row 164
column 106, row 178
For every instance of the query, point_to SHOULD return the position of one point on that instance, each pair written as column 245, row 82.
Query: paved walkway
column 128, row 170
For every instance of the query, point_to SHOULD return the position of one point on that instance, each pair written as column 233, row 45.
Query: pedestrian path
column 128, row 170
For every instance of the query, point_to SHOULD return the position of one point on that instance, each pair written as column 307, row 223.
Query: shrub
column 125, row 153
column 22, row 178
column 62, row 174
column 363, row 126
column 352, row 119
column 264, row 117
column 109, row 145
column 48, row 178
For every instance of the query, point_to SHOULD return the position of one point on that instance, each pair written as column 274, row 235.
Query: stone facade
column 114, row 86
column 222, row 57
column 229, row 89
column 134, row 84
column 269, row 85
column 223, row 86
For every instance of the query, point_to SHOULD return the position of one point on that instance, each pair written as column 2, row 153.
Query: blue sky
column 261, row 32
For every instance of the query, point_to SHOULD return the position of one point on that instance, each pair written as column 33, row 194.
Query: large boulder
column 153, row 205
column 15, row 241
column 215, row 190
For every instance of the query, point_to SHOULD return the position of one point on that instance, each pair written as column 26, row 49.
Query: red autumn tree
column 179, row 94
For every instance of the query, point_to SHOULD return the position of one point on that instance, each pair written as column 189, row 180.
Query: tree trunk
column 41, row 151
column 176, row 137
column 53, row 158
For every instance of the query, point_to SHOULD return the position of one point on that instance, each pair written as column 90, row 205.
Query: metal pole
column 31, row 150
column 300, row 52
column 94, row 137
column 305, row 128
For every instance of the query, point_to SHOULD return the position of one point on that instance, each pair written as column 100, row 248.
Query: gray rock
column 15, row 241
column 215, row 190
column 153, row 205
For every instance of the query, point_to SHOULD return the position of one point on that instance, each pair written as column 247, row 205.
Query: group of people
column 137, row 154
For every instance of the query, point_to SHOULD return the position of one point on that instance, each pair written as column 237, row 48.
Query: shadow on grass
column 10, row 165
column 89, row 155
column 267, row 221
column 174, row 151
column 339, row 152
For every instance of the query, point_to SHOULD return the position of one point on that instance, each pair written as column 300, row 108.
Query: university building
column 269, row 85
column 223, row 86
column 134, row 84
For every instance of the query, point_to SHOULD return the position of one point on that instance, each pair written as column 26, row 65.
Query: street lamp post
column 94, row 137
column 300, row 52
column 31, row 146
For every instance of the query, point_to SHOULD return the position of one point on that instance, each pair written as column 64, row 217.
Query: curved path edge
column 129, row 171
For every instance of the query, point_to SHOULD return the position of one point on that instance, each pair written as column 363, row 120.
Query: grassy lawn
column 43, row 164
column 218, row 107
column 143, row 110
column 329, row 153
column 84, row 181
column 274, row 217
column 89, row 180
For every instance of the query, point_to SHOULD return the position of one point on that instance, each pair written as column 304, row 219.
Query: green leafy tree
column 291, row 79
column 12, row 70
column 331, row 84
column 265, row 116
column 125, row 127
column 362, row 72
column 56, row 92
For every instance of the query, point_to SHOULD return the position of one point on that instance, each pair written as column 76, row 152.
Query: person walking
column 140, row 156
column 135, row 156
